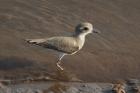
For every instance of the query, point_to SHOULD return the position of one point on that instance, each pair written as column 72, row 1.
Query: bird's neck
column 80, row 39
column 82, row 36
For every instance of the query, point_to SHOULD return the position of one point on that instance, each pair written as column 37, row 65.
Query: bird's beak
column 96, row 31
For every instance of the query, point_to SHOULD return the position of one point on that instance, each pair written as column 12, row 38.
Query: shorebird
column 66, row 45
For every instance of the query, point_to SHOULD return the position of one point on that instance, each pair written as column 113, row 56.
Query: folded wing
column 62, row 44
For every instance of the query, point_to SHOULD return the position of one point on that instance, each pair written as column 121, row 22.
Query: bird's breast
column 80, row 42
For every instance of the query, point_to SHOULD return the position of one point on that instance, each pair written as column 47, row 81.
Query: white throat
column 81, row 39
column 82, row 36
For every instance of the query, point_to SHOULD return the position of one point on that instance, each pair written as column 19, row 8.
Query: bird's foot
column 59, row 66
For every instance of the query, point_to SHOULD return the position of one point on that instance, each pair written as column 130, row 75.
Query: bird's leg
column 58, row 65
column 59, row 61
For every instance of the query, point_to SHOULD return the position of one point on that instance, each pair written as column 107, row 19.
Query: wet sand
column 58, row 87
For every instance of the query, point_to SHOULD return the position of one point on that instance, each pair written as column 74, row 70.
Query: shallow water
column 112, row 55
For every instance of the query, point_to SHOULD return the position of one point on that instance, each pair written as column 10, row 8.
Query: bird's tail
column 35, row 41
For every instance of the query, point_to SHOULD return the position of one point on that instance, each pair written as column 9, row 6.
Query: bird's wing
column 62, row 44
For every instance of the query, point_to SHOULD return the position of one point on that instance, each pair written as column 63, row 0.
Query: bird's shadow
column 11, row 63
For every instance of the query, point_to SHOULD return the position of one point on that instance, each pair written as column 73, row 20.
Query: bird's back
column 67, row 45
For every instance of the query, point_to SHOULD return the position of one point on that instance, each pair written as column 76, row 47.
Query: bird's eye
column 85, row 28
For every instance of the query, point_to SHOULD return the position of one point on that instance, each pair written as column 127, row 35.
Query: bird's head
column 85, row 28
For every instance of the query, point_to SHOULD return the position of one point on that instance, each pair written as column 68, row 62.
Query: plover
column 66, row 45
